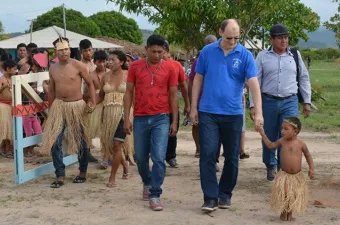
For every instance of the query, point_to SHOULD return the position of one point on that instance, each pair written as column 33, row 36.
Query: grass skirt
column 128, row 148
column 72, row 115
column 289, row 193
column 6, row 131
column 96, row 121
column 112, row 114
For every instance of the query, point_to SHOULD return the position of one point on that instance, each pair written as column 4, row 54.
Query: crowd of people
column 132, row 106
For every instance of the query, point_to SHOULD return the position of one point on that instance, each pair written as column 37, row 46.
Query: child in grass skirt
column 290, row 193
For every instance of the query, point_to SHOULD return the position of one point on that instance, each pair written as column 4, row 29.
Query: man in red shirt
column 172, row 142
column 148, row 85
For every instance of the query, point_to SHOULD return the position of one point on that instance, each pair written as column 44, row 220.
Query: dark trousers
column 58, row 155
column 172, row 142
column 228, row 129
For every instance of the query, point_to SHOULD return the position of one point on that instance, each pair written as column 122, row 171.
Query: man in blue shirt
column 222, row 69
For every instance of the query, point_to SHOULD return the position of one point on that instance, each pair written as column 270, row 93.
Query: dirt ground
column 35, row 203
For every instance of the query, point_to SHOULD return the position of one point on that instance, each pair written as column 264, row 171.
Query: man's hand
column 261, row 131
column 194, row 116
column 311, row 174
column 90, row 107
column 258, row 121
column 186, row 109
column 173, row 129
column 306, row 110
column 127, row 127
column 252, row 113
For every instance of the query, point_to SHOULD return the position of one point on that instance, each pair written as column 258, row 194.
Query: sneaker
column 156, row 204
column 209, row 206
column 217, row 168
column 92, row 159
column 224, row 203
column 271, row 172
column 146, row 192
column 172, row 163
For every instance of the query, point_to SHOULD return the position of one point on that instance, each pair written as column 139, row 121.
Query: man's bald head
column 209, row 39
column 232, row 24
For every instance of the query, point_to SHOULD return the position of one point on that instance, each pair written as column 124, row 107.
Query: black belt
column 277, row 97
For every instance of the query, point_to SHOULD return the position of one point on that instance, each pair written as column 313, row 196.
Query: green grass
column 326, row 76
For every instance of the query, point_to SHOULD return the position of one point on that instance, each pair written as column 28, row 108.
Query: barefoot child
column 6, row 133
column 290, row 192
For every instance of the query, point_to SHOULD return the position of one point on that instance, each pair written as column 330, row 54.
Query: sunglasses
column 231, row 38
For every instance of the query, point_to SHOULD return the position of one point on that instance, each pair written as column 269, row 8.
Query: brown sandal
column 126, row 176
column 111, row 185
column 244, row 155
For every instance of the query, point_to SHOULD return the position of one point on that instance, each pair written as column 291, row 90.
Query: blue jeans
column 151, row 135
column 57, row 155
column 274, row 112
column 228, row 129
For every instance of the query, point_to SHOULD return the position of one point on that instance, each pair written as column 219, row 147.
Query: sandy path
column 93, row 203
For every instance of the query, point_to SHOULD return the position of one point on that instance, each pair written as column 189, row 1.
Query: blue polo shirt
column 224, row 78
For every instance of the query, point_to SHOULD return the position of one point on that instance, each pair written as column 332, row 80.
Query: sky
column 15, row 14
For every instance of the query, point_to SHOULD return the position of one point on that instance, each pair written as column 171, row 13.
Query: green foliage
column 75, row 21
column 116, row 25
column 1, row 27
column 321, row 54
column 4, row 36
column 186, row 22
column 316, row 93
column 334, row 24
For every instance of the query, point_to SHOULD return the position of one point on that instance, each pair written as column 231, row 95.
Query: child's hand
column 311, row 174
column 261, row 131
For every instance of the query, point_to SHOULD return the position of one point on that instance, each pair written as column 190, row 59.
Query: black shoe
column 92, row 159
column 172, row 163
column 224, row 203
column 209, row 206
column 271, row 173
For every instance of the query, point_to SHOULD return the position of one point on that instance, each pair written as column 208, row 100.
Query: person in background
column 6, row 131
column 22, row 64
column 182, row 84
column 86, row 51
column 21, row 52
column 4, row 56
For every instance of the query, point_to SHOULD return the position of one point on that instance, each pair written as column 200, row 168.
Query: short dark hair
column 99, row 55
column 5, row 56
column 58, row 40
column 121, row 56
column 31, row 45
column 294, row 121
column 21, row 45
column 167, row 46
column 42, row 50
column 2, row 51
column 225, row 23
column 85, row 44
column 155, row 39
column 9, row 64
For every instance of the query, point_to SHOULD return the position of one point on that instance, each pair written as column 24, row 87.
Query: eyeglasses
column 232, row 38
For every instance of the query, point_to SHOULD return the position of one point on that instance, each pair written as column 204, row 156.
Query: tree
column 116, row 25
column 75, row 21
column 334, row 24
column 2, row 35
column 188, row 21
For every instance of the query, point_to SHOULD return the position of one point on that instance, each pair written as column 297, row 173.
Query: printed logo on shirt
column 236, row 63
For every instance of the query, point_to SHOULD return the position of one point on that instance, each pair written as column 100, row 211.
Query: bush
column 321, row 54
